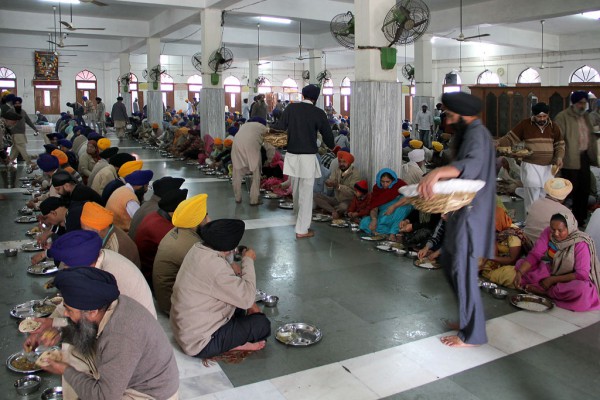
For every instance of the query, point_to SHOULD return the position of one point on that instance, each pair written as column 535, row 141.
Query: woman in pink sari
column 208, row 148
column 562, row 266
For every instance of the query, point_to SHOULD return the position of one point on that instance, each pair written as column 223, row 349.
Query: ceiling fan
column 300, row 56
column 61, row 44
column 69, row 25
column 542, row 66
column 96, row 2
column 258, row 48
column 461, row 37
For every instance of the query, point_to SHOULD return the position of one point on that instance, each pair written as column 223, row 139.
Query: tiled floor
column 380, row 316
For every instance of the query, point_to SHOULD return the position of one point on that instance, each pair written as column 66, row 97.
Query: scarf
column 563, row 261
column 382, row 196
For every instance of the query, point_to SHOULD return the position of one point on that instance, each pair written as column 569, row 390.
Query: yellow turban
column 218, row 141
column 437, row 146
column 62, row 157
column 129, row 167
column 103, row 144
column 228, row 142
column 415, row 144
column 191, row 212
column 95, row 216
column 406, row 133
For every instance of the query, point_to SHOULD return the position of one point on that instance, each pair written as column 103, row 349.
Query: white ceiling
column 513, row 24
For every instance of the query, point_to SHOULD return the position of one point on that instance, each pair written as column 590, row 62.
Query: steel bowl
column 499, row 293
column 11, row 252
column 54, row 393
column 271, row 301
column 488, row 286
column 28, row 384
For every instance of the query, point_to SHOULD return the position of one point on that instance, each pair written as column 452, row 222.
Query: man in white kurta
column 246, row 158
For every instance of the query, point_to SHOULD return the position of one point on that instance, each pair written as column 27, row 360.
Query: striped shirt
column 546, row 142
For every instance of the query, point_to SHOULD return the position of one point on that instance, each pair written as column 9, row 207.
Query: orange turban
column 218, row 141
column 228, row 142
column 62, row 157
column 503, row 221
column 129, row 167
column 155, row 126
column 344, row 155
column 95, row 216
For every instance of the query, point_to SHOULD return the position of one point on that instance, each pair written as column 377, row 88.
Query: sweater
column 145, row 209
column 118, row 241
column 546, row 142
column 103, row 178
column 170, row 254
column 86, row 164
column 119, row 112
column 302, row 121
column 148, row 236
column 360, row 205
column 132, row 352
column 205, row 296
column 117, row 203
column 567, row 122
column 101, row 163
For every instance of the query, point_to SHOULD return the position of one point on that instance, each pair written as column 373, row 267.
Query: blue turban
column 344, row 132
column 77, row 128
column 10, row 97
column 311, row 92
column 182, row 123
column 94, row 136
column 259, row 120
column 62, row 114
column 50, row 148
column 232, row 130
column 65, row 143
column 47, row 163
column 76, row 248
column 85, row 288
column 139, row 178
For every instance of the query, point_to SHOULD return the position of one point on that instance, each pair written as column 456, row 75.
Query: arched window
column 345, row 92
column 231, row 80
column 85, row 85
column 8, row 80
column 264, row 86
column 233, row 93
column 488, row 77
column 194, row 83
column 452, row 82
column 529, row 76
column 289, row 86
column 328, row 92
column 167, row 88
column 585, row 74
column 166, row 78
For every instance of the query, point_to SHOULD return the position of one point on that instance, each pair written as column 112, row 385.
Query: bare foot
column 452, row 325
column 252, row 346
column 308, row 234
column 455, row 341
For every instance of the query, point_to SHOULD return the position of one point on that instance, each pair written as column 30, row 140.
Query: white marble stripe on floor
column 14, row 190
column 414, row 364
column 159, row 159
column 203, row 180
column 269, row 222
column 15, row 244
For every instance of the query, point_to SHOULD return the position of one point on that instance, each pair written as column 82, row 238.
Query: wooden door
column 47, row 101
column 91, row 94
column 233, row 102
column 140, row 96
column 328, row 100
column 169, row 99
column 193, row 95
column 271, row 100
column 345, row 105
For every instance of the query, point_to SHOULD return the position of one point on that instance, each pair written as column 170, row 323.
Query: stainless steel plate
column 31, row 246
column 375, row 238
column 286, row 205
column 31, row 308
column 342, row 225
column 55, row 393
column 271, row 196
column 384, row 247
column 17, row 355
column 531, row 302
column 298, row 334
column 260, row 295
column 210, row 172
column 321, row 218
column 43, row 268
column 426, row 264
column 26, row 220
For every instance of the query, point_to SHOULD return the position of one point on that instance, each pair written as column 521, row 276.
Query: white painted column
column 212, row 97
column 315, row 66
column 125, row 68
column 423, row 74
column 375, row 130
column 154, row 101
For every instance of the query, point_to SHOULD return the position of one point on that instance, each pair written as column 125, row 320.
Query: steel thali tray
column 531, row 302
column 31, row 246
column 43, row 268
column 298, row 334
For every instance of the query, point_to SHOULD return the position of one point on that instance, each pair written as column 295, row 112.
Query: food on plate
column 49, row 284
column 338, row 221
column 44, row 308
column 22, row 363
column 48, row 355
column 29, row 325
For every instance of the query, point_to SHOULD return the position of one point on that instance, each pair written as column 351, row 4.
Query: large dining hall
column 290, row 200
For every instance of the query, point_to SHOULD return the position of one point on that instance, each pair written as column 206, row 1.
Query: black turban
column 462, row 103
column 120, row 158
column 108, row 153
column 223, row 234
column 51, row 204
column 171, row 200
column 579, row 95
column 50, row 148
column 540, row 108
column 166, row 184
column 61, row 177
column 87, row 288
column 311, row 92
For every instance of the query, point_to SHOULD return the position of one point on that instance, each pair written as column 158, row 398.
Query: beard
column 140, row 194
column 580, row 111
column 542, row 123
column 460, row 128
column 82, row 335
column 18, row 109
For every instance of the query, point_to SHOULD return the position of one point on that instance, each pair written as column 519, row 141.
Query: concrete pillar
column 125, row 68
column 212, row 97
column 315, row 66
column 154, row 96
column 376, row 118
column 423, row 75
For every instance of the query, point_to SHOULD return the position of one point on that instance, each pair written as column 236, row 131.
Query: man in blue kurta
column 470, row 230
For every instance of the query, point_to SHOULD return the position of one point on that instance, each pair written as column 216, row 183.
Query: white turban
column 417, row 155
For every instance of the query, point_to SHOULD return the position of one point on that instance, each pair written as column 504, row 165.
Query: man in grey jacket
column 19, row 138
column 119, row 116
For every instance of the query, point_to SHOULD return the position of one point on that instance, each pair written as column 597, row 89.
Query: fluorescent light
column 64, row 1
column 592, row 14
column 276, row 20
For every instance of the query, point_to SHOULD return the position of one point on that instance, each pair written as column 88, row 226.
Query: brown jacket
column 205, row 296
column 567, row 121
column 346, row 181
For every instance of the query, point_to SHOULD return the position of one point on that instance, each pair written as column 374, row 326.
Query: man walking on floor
column 302, row 121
